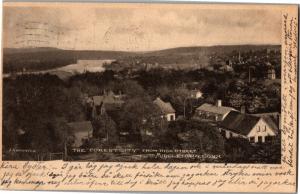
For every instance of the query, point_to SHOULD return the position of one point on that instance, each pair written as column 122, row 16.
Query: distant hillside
column 15, row 59
column 42, row 53
column 191, row 57
column 48, row 58
column 212, row 49
column 28, row 50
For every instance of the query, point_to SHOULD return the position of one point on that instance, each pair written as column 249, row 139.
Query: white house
column 271, row 74
column 212, row 112
column 167, row 111
column 196, row 94
column 270, row 116
column 255, row 129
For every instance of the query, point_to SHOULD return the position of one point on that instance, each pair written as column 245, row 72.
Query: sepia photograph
column 141, row 83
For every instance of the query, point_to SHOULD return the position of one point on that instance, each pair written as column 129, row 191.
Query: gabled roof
column 215, row 109
column 239, row 123
column 109, row 98
column 165, row 107
column 98, row 100
column 272, row 118
column 271, row 71
column 272, row 123
column 81, row 126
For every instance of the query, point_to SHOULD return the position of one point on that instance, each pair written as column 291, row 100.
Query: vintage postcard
column 149, row 97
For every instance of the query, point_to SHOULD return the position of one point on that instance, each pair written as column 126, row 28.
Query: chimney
column 243, row 109
column 219, row 103
column 279, row 121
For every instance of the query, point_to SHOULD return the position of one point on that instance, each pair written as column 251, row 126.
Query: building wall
column 196, row 95
column 79, row 136
column 229, row 134
column 211, row 116
column 170, row 117
column 260, row 131
column 199, row 95
column 271, row 76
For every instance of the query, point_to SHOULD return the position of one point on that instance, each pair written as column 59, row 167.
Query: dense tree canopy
column 40, row 106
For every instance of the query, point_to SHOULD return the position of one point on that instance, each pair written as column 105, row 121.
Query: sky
column 138, row 27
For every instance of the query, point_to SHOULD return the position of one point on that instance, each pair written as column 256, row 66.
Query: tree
column 139, row 114
column 163, row 91
column 86, row 88
column 236, row 100
column 61, row 134
column 238, row 150
column 255, row 104
column 105, row 127
column 195, row 135
column 10, row 135
column 132, row 89
column 179, row 99
column 73, row 106
column 210, row 87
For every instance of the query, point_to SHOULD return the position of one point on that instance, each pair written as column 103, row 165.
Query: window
column 252, row 139
column 172, row 118
column 258, row 129
column 269, row 138
column 265, row 128
column 259, row 139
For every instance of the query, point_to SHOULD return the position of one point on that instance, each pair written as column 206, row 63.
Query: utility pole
column 65, row 145
column 106, row 132
column 249, row 78
column 184, row 106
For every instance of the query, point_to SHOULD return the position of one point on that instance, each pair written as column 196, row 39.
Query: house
column 226, row 68
column 82, row 130
column 273, row 117
column 255, row 129
column 196, row 94
column 212, row 112
column 167, row 111
column 103, row 103
column 271, row 74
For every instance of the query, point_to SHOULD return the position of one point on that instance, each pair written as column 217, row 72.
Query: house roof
column 81, row 126
column 195, row 91
column 165, row 107
column 214, row 109
column 271, row 71
column 109, row 98
column 274, row 115
column 97, row 100
column 239, row 123
column 273, row 119
column 272, row 123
